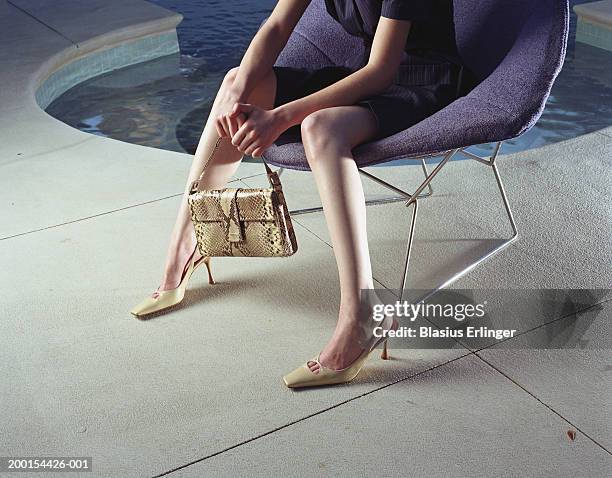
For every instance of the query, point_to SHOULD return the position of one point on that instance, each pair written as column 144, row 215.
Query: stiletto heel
column 169, row 298
column 210, row 277
column 385, row 353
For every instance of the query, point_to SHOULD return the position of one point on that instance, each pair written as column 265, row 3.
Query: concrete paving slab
column 21, row 57
column 85, row 178
column 16, row 30
column 52, row 174
column 561, row 198
column 519, row 311
column 575, row 381
column 95, row 19
column 462, row 419
column 176, row 387
column 30, row 133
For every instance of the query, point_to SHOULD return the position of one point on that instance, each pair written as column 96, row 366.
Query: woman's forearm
column 367, row 81
column 379, row 73
column 259, row 58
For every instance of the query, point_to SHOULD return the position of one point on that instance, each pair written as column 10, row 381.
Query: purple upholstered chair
column 515, row 48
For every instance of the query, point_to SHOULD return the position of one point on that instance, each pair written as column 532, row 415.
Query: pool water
column 164, row 103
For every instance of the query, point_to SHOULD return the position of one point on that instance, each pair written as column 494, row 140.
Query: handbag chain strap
column 273, row 178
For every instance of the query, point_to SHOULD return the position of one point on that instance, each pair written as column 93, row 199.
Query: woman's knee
column 263, row 92
column 230, row 76
column 320, row 130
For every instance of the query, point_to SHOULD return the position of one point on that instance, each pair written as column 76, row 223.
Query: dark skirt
column 396, row 109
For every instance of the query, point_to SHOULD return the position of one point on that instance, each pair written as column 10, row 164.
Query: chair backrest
column 486, row 30
column 319, row 41
column 515, row 48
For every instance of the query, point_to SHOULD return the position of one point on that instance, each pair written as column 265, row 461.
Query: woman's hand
column 228, row 125
column 260, row 129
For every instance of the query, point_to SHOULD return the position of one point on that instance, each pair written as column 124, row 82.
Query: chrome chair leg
column 490, row 162
column 401, row 195
column 415, row 211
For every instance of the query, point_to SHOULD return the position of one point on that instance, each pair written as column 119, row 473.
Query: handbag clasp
column 229, row 205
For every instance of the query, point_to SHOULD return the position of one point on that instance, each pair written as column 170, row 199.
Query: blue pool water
column 164, row 103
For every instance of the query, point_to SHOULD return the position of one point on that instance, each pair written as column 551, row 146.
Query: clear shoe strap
column 372, row 320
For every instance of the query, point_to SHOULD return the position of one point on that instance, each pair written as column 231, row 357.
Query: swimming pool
column 164, row 103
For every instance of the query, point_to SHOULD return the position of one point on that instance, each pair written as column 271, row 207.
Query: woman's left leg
column 328, row 136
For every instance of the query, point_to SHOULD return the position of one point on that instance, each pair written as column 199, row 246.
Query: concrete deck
column 198, row 392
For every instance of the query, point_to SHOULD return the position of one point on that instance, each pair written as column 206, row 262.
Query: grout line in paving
column 93, row 216
column 311, row 232
column 314, row 414
column 42, row 23
column 544, row 403
column 297, row 221
column 552, row 321
column 49, row 151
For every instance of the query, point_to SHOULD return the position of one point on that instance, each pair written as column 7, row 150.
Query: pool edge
column 107, row 52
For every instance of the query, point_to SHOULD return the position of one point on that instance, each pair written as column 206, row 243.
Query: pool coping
column 100, row 55
column 595, row 24
column 43, row 62
column 595, row 12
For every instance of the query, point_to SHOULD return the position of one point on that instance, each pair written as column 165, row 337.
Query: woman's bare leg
column 218, row 172
column 329, row 135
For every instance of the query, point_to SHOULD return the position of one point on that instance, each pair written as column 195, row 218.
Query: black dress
column 428, row 77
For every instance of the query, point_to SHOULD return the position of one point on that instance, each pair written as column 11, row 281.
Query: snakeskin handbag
column 240, row 221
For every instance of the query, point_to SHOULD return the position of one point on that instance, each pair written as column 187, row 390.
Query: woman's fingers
column 247, row 142
column 222, row 127
column 252, row 147
column 240, row 135
column 242, row 108
column 219, row 127
column 233, row 125
column 241, row 118
column 228, row 126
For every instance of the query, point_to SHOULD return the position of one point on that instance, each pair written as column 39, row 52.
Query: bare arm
column 267, row 44
column 257, row 61
column 373, row 78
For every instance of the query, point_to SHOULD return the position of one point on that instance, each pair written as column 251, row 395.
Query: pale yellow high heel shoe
column 169, row 298
column 304, row 377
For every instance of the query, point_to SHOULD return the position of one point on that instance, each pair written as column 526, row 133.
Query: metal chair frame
column 413, row 198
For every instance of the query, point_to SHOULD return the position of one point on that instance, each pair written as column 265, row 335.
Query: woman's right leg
column 218, row 172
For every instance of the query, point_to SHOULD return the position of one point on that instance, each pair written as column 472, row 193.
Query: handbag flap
column 252, row 204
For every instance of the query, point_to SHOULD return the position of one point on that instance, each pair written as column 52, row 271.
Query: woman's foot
column 177, row 263
column 163, row 299
column 350, row 339
column 345, row 354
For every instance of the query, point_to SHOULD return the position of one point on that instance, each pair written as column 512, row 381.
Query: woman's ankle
column 359, row 307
